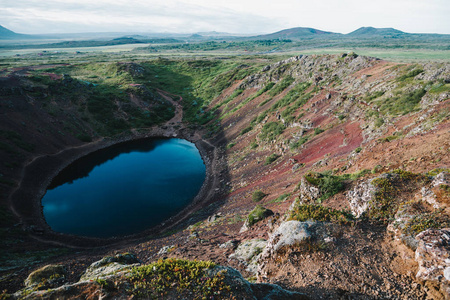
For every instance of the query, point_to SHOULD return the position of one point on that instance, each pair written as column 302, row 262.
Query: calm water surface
column 124, row 189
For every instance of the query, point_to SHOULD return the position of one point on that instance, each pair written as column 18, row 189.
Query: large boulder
column 45, row 277
column 287, row 234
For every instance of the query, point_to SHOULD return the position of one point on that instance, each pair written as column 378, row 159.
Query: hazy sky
column 235, row 16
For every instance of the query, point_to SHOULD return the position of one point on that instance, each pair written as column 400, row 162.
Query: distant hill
column 295, row 33
column 372, row 32
column 6, row 34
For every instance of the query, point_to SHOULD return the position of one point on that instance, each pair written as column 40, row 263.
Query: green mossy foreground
column 191, row 278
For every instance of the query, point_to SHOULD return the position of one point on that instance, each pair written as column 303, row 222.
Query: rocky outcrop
column 46, row 277
column 433, row 256
column 248, row 253
column 287, row 234
column 428, row 193
column 109, row 265
column 308, row 194
column 359, row 198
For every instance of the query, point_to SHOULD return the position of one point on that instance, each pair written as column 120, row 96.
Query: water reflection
column 124, row 189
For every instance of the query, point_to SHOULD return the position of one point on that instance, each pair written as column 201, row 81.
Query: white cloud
column 243, row 16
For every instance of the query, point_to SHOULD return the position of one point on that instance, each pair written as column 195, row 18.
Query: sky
column 233, row 16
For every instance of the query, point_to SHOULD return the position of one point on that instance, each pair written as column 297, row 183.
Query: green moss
column 305, row 212
column 159, row 279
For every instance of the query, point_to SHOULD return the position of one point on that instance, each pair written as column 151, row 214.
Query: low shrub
column 257, row 214
column 421, row 222
column 245, row 130
column 305, row 212
column 271, row 158
column 298, row 143
column 328, row 184
column 258, row 195
column 318, row 131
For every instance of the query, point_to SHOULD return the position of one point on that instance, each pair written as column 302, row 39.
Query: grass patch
column 254, row 145
column 372, row 96
column 437, row 171
column 295, row 93
column 281, row 198
column 271, row 131
column 16, row 139
column 329, row 185
column 281, row 86
column 231, row 145
column 402, row 104
column 440, row 88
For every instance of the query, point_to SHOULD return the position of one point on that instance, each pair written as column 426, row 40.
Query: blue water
column 125, row 189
